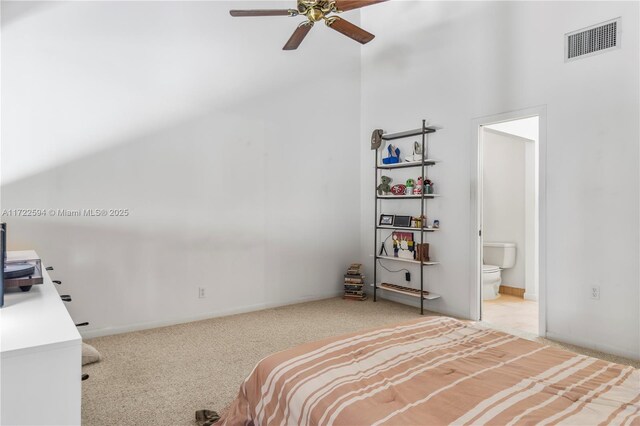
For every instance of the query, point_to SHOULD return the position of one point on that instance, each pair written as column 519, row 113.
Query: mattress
column 433, row 371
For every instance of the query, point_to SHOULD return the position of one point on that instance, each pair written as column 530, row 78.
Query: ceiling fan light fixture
column 315, row 11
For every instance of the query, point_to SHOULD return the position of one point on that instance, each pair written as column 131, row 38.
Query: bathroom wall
column 528, row 128
column 505, row 197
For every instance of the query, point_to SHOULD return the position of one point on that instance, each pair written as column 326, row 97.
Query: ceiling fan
column 316, row 10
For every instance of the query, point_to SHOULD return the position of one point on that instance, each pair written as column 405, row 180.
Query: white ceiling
column 525, row 127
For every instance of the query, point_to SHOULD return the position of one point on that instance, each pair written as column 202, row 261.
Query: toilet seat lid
column 490, row 268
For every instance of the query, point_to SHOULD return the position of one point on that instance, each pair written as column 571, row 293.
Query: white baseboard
column 108, row 331
column 572, row 340
column 530, row 296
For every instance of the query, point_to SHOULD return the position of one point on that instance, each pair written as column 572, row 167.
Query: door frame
column 475, row 218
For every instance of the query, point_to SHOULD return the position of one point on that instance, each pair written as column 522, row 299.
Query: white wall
column 504, row 198
column 238, row 178
column 453, row 62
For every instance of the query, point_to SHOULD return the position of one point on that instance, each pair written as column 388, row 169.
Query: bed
column 432, row 371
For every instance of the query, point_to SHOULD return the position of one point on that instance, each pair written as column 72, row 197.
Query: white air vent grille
column 592, row 40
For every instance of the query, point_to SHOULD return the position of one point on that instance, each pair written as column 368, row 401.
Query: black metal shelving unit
column 423, row 132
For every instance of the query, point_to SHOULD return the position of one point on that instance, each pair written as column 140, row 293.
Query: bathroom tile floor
column 511, row 312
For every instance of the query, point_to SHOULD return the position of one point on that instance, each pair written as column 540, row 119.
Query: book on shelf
column 354, row 281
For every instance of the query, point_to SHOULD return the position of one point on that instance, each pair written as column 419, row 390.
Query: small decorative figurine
column 384, row 187
column 419, row 221
column 394, row 155
column 428, row 186
column 419, row 185
column 410, row 183
column 436, row 224
column 398, row 189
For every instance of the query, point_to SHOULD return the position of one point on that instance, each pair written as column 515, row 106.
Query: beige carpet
column 163, row 376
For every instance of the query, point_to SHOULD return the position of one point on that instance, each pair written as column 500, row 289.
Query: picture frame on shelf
column 402, row 221
column 403, row 245
column 386, row 219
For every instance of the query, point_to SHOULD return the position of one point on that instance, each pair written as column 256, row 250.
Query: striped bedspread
column 435, row 371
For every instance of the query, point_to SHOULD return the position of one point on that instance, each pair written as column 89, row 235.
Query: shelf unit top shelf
column 430, row 296
column 407, row 228
column 400, row 197
column 400, row 259
column 410, row 133
column 407, row 164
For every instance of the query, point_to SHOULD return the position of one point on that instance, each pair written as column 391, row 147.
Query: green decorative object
column 384, row 187
column 410, row 184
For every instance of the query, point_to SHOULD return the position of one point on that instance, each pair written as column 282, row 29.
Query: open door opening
column 507, row 261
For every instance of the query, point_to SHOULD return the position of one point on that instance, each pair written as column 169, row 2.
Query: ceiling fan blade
column 298, row 35
column 344, row 5
column 350, row 30
column 264, row 12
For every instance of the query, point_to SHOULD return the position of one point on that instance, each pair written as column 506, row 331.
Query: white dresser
column 41, row 354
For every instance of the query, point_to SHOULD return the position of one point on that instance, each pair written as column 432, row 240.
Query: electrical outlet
column 595, row 292
column 201, row 293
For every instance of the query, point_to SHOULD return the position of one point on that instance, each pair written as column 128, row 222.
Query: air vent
column 593, row 40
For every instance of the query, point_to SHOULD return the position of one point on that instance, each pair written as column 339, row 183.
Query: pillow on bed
column 90, row 354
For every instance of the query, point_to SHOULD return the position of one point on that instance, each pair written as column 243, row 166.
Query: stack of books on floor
column 354, row 283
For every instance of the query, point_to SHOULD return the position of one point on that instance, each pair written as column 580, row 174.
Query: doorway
column 507, row 261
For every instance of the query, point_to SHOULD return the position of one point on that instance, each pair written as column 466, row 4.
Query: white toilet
column 496, row 257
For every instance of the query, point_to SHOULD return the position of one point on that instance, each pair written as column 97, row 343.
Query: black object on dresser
column 3, row 255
